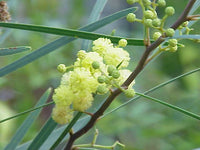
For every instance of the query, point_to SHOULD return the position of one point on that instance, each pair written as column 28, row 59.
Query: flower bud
column 156, row 35
column 169, row 11
column 115, row 74
column 95, row 65
column 156, row 22
column 81, row 54
column 172, row 42
column 130, row 2
column 110, row 69
column 148, row 14
column 61, row 68
column 102, row 89
column 122, row 42
column 170, row 32
column 146, row 2
column 131, row 17
column 129, row 92
column 148, row 22
column 101, row 79
column 185, row 24
column 173, row 49
column 161, row 3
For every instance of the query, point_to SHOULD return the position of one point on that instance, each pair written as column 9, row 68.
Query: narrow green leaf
column 71, row 124
column 25, row 112
column 13, row 50
column 43, row 134
column 16, row 139
column 197, row 36
column 94, row 16
column 60, row 42
column 153, row 89
column 195, row 7
column 72, row 33
column 188, row 113
column 55, row 135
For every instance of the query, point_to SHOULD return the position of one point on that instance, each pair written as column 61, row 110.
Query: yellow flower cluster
column 93, row 73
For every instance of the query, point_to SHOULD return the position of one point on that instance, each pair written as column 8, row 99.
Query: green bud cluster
column 151, row 20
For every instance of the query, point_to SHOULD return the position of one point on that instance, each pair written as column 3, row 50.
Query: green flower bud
column 161, row 3
column 170, row 32
column 81, row 54
column 129, row 93
column 156, row 22
column 185, row 24
column 61, row 68
column 169, row 11
column 95, row 65
column 148, row 14
column 173, row 49
column 146, row 2
column 102, row 89
column 115, row 74
column 131, row 17
column 156, row 35
column 101, row 79
column 172, row 42
column 148, row 22
column 130, row 2
column 110, row 69
column 122, row 42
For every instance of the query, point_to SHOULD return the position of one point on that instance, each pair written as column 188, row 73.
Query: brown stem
column 137, row 70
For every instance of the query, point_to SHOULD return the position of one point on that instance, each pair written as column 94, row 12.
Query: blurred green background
column 140, row 125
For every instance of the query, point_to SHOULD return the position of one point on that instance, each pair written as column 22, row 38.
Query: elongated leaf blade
column 187, row 37
column 72, row 33
column 16, row 139
column 43, row 134
column 66, row 131
column 94, row 16
column 55, row 135
column 13, row 50
column 60, row 42
column 181, row 110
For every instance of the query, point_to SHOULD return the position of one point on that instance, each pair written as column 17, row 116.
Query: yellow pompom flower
column 81, row 79
column 83, row 100
column 88, row 60
column 101, row 45
column 65, row 78
column 63, row 95
column 62, row 114
column 116, row 56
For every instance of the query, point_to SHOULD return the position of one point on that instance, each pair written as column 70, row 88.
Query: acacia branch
column 138, row 69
